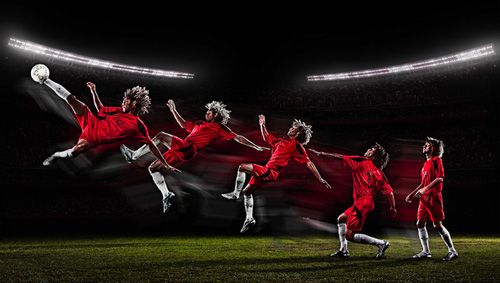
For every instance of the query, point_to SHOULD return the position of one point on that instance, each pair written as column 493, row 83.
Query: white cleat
column 231, row 195
column 249, row 223
column 422, row 254
column 127, row 153
column 167, row 201
column 381, row 250
column 450, row 256
column 49, row 160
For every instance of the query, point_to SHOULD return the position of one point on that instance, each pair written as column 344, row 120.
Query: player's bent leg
column 164, row 138
column 382, row 245
column 155, row 170
column 239, row 182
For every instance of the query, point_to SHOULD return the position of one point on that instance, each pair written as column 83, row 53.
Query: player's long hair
column 305, row 131
column 219, row 108
column 437, row 146
column 380, row 157
column 141, row 97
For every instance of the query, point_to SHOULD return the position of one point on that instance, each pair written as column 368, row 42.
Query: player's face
column 210, row 116
column 127, row 105
column 370, row 152
column 293, row 132
column 427, row 148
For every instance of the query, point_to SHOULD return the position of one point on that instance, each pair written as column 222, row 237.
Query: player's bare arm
column 177, row 116
column 244, row 141
column 97, row 102
column 422, row 191
column 316, row 174
column 319, row 153
column 392, row 205
column 262, row 124
column 412, row 194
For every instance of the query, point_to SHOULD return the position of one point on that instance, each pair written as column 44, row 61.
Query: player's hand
column 325, row 183
column 171, row 105
column 262, row 120
column 91, row 86
column 408, row 198
column 315, row 151
column 420, row 192
column 393, row 212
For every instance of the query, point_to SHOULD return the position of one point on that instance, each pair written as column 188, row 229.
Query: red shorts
column 262, row 174
column 357, row 213
column 179, row 151
column 430, row 208
column 87, row 122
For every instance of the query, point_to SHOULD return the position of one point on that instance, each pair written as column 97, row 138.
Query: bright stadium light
column 468, row 55
column 66, row 56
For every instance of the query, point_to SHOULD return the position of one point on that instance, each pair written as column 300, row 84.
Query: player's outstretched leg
column 381, row 245
column 131, row 155
column 81, row 146
column 155, row 172
column 239, row 182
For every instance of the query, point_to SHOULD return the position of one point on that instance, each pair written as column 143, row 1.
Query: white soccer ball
column 40, row 73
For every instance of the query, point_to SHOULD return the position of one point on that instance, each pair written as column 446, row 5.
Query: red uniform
column 201, row 134
column 111, row 125
column 367, row 181
column 430, row 206
column 283, row 151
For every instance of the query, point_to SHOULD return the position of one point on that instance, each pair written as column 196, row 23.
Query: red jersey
column 433, row 168
column 283, row 151
column 202, row 133
column 367, row 178
column 112, row 125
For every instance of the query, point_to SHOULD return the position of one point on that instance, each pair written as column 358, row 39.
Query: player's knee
column 342, row 219
column 349, row 235
column 437, row 226
column 420, row 224
column 243, row 167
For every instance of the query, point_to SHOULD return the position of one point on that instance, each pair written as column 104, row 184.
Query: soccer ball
column 40, row 73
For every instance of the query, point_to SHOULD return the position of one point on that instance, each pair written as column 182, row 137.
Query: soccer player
column 201, row 134
column 112, row 124
column 368, row 179
column 430, row 205
column 283, row 150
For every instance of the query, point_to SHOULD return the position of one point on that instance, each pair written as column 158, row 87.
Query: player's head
column 136, row 100
column 434, row 147
column 378, row 155
column 217, row 112
column 300, row 131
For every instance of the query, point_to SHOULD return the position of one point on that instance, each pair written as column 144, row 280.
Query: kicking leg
column 77, row 106
column 160, row 138
column 81, row 146
column 155, row 170
column 382, row 245
column 239, row 182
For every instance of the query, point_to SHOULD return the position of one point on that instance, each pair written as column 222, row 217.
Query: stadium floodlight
column 468, row 55
column 74, row 58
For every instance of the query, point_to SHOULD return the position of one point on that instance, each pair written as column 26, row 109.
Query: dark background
column 255, row 59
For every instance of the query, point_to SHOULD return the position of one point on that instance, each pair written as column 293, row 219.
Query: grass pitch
column 193, row 258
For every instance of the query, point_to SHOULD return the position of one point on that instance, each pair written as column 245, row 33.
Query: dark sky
column 238, row 45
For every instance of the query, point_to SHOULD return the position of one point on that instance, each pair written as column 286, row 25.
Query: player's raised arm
column 97, row 102
column 177, row 116
column 316, row 174
column 335, row 155
column 262, row 124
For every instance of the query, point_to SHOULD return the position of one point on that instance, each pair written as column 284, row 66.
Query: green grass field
column 237, row 258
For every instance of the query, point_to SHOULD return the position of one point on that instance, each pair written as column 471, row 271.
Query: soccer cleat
column 49, row 160
column 167, row 201
column 422, row 254
column 127, row 153
column 450, row 256
column 231, row 195
column 381, row 250
column 341, row 254
column 249, row 223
